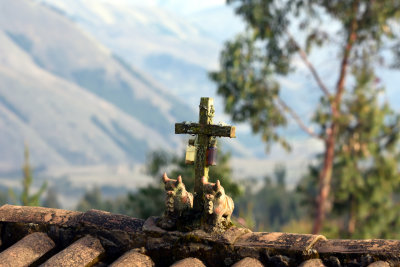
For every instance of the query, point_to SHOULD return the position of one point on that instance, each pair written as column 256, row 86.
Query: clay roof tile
column 55, row 237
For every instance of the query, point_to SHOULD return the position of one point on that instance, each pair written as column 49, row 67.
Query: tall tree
column 51, row 199
column 252, row 64
column 367, row 179
column 93, row 199
column 26, row 198
column 366, row 165
column 275, row 205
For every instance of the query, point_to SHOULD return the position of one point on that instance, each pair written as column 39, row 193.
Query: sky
column 189, row 7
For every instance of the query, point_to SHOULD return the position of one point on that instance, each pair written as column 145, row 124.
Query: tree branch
column 310, row 66
column 296, row 117
column 345, row 60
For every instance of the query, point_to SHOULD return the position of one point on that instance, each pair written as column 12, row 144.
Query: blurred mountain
column 72, row 100
column 165, row 40
column 172, row 49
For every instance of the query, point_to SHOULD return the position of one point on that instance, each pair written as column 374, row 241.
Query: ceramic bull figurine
column 178, row 199
column 217, row 203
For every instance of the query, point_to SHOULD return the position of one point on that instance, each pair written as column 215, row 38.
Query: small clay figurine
column 217, row 203
column 177, row 201
column 208, row 188
column 177, row 195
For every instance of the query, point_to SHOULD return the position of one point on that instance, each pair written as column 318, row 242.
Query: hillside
column 71, row 99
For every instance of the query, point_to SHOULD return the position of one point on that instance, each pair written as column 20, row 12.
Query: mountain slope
column 144, row 33
column 161, row 41
column 70, row 99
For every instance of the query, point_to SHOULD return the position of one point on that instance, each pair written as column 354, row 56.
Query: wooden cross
column 204, row 130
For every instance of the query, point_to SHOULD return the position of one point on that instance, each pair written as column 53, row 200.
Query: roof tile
column 84, row 252
column 248, row 262
column 39, row 215
column 108, row 221
column 106, row 237
column 379, row 264
column 351, row 247
column 189, row 262
column 133, row 258
column 313, row 263
column 282, row 241
column 27, row 250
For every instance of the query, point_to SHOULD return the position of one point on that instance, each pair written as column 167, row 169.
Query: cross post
column 204, row 131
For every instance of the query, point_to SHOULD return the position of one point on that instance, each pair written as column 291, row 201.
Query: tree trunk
column 325, row 179
column 325, row 176
column 351, row 224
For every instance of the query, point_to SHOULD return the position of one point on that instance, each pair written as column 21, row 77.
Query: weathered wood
column 209, row 129
column 201, row 169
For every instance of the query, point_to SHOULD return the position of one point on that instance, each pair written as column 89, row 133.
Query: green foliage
column 367, row 159
column 4, row 196
column 26, row 198
column 93, row 199
column 271, row 207
column 251, row 64
column 146, row 202
column 51, row 199
column 365, row 202
column 249, row 92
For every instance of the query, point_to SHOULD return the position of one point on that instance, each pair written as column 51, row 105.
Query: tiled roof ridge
column 120, row 233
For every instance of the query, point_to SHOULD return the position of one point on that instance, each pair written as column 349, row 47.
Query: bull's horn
column 165, row 177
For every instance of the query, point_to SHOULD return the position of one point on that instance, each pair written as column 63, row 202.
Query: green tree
column 4, row 197
column 26, row 198
column 367, row 179
column 147, row 201
column 93, row 199
column 366, row 164
column 51, row 199
column 252, row 64
column 150, row 200
column 274, row 205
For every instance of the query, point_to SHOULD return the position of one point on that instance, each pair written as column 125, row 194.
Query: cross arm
column 206, row 129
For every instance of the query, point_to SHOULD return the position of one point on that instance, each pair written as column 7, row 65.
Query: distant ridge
column 71, row 99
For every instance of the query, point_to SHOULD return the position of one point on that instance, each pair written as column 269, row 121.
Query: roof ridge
column 120, row 233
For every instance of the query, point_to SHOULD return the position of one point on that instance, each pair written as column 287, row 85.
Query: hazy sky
column 183, row 6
